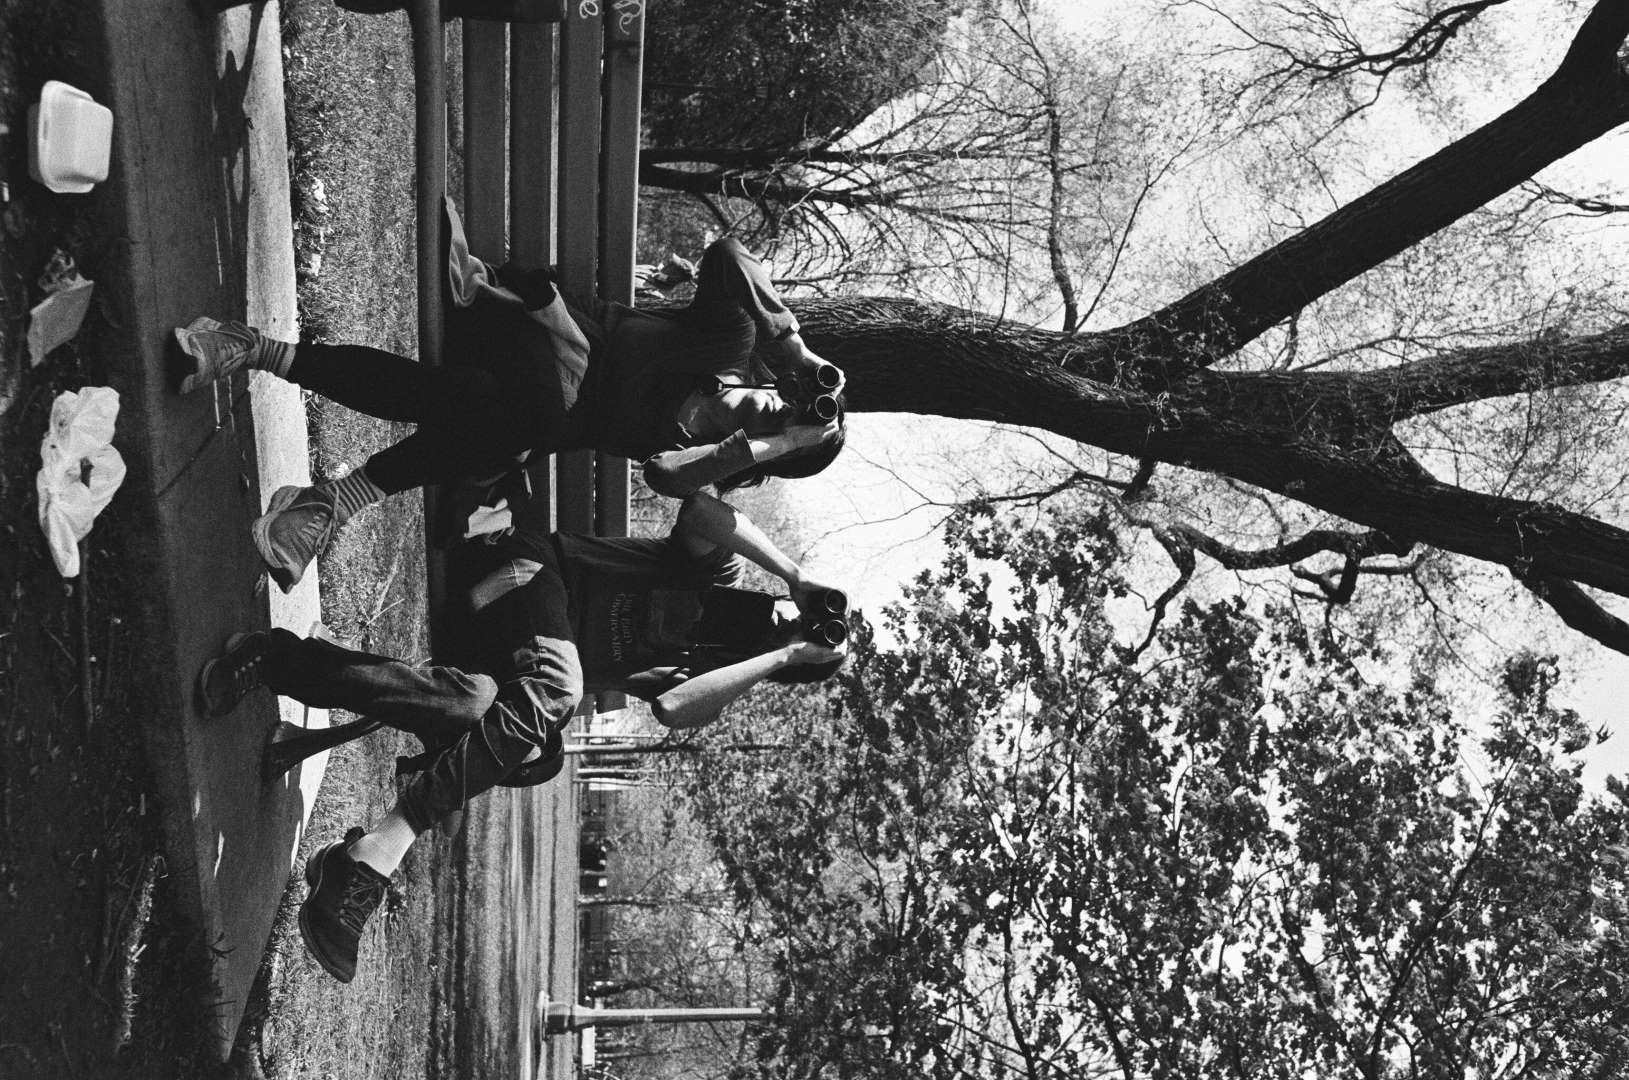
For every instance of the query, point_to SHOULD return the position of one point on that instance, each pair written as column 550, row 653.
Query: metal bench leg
column 288, row 744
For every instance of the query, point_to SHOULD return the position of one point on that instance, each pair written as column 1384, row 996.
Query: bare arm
column 700, row 700
column 678, row 473
column 707, row 523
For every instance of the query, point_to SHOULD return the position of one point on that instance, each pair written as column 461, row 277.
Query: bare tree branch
column 1584, row 204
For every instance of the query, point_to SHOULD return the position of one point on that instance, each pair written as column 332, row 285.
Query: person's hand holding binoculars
column 822, row 613
column 803, row 651
column 808, row 436
column 838, row 380
column 813, row 389
column 793, row 440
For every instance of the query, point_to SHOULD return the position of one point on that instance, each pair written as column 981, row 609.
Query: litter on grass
column 56, row 320
column 70, row 139
column 80, row 470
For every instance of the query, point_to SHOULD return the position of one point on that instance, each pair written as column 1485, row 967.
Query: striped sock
column 351, row 493
column 269, row 354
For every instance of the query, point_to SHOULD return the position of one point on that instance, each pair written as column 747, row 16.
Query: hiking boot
column 343, row 894
column 218, row 349
column 227, row 679
column 295, row 530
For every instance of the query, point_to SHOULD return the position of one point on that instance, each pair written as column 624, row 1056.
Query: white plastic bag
column 80, row 470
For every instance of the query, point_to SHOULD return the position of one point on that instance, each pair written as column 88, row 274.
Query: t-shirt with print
column 635, row 609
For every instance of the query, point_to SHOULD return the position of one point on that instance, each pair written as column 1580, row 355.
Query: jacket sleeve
column 731, row 280
column 677, row 473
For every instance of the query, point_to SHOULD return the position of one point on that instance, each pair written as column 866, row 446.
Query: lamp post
column 560, row 1017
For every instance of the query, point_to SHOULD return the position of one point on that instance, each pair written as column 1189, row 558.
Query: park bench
column 550, row 153
column 539, row 190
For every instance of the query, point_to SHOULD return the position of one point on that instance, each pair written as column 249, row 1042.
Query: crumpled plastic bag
column 80, row 470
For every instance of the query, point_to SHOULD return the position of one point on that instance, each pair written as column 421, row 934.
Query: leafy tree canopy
column 1025, row 842
column 780, row 73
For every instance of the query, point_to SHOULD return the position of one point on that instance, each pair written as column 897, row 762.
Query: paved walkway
column 201, row 177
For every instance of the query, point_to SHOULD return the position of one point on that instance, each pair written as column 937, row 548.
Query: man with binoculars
column 548, row 617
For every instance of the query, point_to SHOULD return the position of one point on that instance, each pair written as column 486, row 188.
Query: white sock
column 385, row 845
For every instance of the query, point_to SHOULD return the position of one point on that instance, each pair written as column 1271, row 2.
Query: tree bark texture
column 1318, row 437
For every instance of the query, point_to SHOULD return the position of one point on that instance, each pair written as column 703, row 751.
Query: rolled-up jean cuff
column 419, row 816
column 539, row 700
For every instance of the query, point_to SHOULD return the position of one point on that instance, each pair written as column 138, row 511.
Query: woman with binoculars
column 720, row 392
column 545, row 618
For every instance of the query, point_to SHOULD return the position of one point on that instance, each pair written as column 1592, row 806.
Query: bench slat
column 430, row 169
column 430, row 166
column 531, row 185
column 579, row 148
column 619, row 201
column 578, row 229
column 531, row 144
column 619, row 155
column 486, row 129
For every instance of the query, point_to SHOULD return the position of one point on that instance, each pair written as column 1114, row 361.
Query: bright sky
column 869, row 510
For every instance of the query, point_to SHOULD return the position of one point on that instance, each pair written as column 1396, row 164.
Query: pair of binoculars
column 814, row 392
column 821, row 616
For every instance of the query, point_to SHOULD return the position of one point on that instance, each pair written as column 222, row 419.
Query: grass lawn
column 440, row 980
column 93, row 963
column 103, row 976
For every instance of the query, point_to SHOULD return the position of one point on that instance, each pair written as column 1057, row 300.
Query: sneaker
column 343, row 894
column 295, row 530
column 227, row 679
column 218, row 349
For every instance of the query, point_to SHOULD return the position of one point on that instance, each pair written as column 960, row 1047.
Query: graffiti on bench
column 627, row 12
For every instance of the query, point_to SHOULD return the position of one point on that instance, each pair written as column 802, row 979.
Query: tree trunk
column 1314, row 437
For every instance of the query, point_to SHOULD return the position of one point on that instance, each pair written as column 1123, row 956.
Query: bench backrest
column 550, row 133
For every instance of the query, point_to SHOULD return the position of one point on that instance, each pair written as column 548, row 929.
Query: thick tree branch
column 1579, row 611
column 773, row 158
column 1279, row 431
column 1351, row 545
column 1586, row 97
column 1478, row 374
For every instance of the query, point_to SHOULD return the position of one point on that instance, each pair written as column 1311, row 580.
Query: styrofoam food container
column 70, row 139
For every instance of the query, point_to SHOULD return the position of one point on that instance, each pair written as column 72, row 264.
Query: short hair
column 793, row 466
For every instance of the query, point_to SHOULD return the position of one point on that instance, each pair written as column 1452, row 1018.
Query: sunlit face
column 759, row 412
